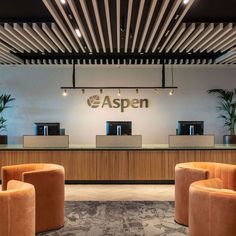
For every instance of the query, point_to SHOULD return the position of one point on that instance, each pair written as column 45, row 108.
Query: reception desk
column 87, row 164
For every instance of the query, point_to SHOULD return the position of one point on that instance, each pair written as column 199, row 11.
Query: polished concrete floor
column 122, row 192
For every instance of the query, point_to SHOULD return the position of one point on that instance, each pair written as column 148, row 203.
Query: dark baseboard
column 119, row 182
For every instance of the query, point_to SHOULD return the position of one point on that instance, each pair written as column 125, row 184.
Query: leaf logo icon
column 94, row 101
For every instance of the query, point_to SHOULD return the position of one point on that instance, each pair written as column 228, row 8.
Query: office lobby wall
column 38, row 99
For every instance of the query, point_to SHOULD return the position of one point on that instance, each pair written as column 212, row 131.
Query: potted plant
column 5, row 100
column 227, row 108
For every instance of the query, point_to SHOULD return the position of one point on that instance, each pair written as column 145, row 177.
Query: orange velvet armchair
column 212, row 209
column 17, row 209
column 48, row 180
column 187, row 173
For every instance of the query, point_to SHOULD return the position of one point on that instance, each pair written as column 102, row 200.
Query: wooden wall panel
column 229, row 157
column 171, row 159
column 163, row 163
column 157, row 165
column 112, row 165
column 79, row 165
column 117, row 164
column 209, row 156
column 139, row 165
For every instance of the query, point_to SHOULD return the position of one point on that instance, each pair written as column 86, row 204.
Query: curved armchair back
column 212, row 209
column 17, row 209
column 187, row 173
column 48, row 181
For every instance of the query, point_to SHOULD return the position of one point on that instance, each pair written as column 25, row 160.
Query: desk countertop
column 81, row 147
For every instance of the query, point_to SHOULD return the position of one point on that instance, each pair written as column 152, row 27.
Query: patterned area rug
column 119, row 219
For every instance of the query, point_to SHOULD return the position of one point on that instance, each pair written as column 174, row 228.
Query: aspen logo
column 95, row 101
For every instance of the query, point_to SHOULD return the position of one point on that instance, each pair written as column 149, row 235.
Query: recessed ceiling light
column 77, row 31
column 63, row 1
column 185, row 1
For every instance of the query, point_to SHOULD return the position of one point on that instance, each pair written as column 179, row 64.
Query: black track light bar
column 160, row 87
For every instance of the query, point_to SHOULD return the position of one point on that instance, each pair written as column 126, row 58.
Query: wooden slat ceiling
column 118, row 32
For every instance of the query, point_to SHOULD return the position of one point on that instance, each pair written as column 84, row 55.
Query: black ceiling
column 35, row 11
column 24, row 11
column 212, row 11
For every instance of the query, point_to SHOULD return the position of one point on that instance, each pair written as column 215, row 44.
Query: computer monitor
column 118, row 128
column 52, row 128
column 190, row 127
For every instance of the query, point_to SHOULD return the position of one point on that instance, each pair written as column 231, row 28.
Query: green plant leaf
column 226, row 106
column 5, row 100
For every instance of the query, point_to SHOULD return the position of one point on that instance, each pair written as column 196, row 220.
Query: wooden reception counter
column 153, row 163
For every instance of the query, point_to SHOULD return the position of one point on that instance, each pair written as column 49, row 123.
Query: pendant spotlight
column 64, row 93
column 171, row 92
column 118, row 94
column 172, row 81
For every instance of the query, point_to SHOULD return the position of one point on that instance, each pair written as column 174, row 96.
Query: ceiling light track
column 136, row 88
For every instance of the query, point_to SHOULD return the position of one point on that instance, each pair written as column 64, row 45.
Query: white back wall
column 38, row 99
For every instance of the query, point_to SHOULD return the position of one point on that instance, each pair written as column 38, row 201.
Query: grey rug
column 119, row 219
